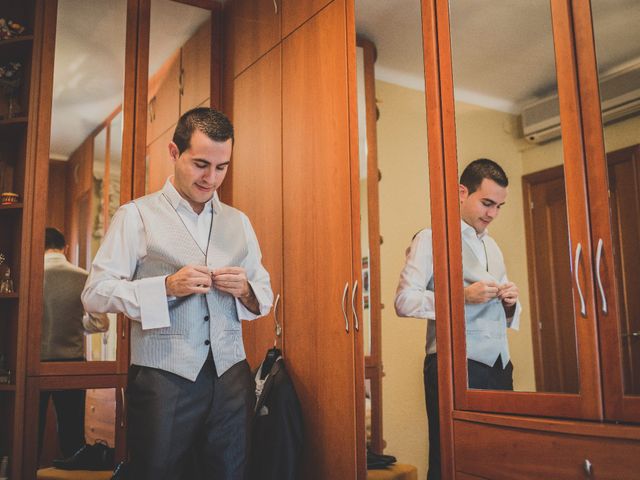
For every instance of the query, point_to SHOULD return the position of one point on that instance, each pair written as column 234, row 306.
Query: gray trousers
column 178, row 429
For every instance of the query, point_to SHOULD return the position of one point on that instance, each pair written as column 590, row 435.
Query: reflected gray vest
column 486, row 323
column 196, row 320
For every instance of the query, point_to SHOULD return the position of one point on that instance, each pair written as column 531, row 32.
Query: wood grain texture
column 318, row 240
column 296, row 12
column 506, row 453
column 257, row 168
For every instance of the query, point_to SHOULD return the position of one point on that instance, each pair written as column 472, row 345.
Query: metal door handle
column 353, row 306
column 588, row 467
column 632, row 334
column 583, row 307
column 344, row 307
column 598, row 260
column 275, row 6
column 278, row 327
column 124, row 407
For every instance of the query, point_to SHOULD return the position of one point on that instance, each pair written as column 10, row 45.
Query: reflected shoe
column 90, row 457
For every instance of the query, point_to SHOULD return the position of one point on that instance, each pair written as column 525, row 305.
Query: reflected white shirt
column 412, row 297
column 109, row 287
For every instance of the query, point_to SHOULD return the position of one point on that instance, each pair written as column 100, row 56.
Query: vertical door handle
column 275, row 6
column 353, row 306
column 124, row 407
column 278, row 327
column 588, row 467
column 576, row 263
column 344, row 306
column 598, row 260
column 124, row 326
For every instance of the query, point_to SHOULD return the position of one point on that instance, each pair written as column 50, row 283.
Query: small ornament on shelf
column 6, row 283
column 10, row 81
column 10, row 29
column 8, row 198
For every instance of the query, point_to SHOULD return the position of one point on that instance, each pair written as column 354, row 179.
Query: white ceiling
column 500, row 68
column 502, row 50
column 89, row 61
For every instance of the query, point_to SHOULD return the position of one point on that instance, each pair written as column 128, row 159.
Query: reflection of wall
column 404, row 209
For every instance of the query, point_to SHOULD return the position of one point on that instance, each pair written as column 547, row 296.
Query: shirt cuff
column 152, row 298
column 514, row 322
column 264, row 302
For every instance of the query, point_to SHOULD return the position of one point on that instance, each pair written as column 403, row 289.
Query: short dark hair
column 480, row 169
column 212, row 123
column 53, row 238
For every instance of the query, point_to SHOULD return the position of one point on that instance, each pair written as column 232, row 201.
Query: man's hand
column 481, row 292
column 233, row 280
column 188, row 280
column 508, row 293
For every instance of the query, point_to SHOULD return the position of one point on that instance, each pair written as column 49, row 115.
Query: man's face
column 481, row 207
column 200, row 169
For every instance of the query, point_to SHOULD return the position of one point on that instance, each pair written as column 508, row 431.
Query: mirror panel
column 179, row 78
column 69, row 420
column 398, row 129
column 618, row 55
column 506, row 110
column 84, row 171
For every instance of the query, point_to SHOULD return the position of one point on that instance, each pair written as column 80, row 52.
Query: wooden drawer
column 499, row 452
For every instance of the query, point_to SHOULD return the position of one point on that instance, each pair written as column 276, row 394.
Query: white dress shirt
column 412, row 297
column 109, row 287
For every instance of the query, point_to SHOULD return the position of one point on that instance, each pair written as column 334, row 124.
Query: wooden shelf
column 13, row 121
column 14, row 40
column 7, row 387
column 9, row 295
column 12, row 206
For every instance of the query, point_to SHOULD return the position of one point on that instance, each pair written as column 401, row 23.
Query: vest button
column 207, row 342
column 206, row 319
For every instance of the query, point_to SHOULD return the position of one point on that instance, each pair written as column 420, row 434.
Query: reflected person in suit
column 186, row 268
column 491, row 300
column 64, row 325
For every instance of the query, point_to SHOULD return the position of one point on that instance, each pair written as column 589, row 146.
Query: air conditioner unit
column 619, row 93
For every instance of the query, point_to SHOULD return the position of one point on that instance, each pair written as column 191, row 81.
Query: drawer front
column 496, row 452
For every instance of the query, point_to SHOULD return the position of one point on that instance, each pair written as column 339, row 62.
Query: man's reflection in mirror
column 64, row 324
column 491, row 300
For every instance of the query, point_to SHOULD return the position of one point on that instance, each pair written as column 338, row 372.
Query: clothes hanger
column 273, row 353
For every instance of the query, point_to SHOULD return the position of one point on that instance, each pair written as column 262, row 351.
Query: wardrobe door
column 610, row 78
column 257, row 166
column 319, row 344
column 253, row 29
column 296, row 12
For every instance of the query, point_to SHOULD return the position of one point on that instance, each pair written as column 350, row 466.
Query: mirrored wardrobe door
column 395, row 228
column 87, row 85
column 525, row 252
column 613, row 149
column 72, row 415
column 179, row 78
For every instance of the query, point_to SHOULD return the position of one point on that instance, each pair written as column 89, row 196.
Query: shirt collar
column 469, row 231
column 177, row 201
column 54, row 258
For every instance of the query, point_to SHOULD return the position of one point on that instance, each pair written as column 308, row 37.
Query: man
column 64, row 324
column 491, row 301
column 186, row 269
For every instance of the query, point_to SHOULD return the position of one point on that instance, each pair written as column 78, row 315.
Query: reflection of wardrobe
column 593, row 433
column 292, row 174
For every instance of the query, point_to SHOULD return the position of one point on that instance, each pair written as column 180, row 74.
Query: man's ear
column 174, row 153
column 463, row 192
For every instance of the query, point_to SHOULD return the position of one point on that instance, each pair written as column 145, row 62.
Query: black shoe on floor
column 90, row 457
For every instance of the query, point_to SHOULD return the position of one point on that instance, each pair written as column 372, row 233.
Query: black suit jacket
column 277, row 441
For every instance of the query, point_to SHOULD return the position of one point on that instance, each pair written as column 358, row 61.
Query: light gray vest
column 486, row 323
column 183, row 347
